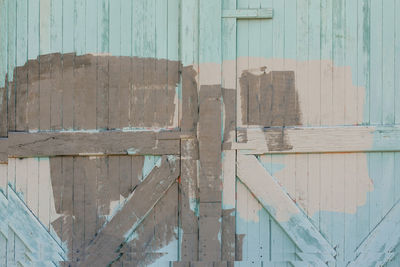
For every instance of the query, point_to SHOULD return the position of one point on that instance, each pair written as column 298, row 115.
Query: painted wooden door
column 315, row 179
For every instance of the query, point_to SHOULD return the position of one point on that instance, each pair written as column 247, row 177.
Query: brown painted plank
column 45, row 88
column 113, row 94
column 137, row 170
column 78, row 143
column 104, row 246
column 125, row 176
column 78, row 207
column 124, row 92
column 209, row 231
column 90, row 199
column 33, row 95
column 85, row 92
column 67, row 202
column 137, row 101
column 21, row 97
column 3, row 150
column 102, row 92
column 189, row 200
column 209, row 134
column 103, row 195
column 68, row 91
column 56, row 92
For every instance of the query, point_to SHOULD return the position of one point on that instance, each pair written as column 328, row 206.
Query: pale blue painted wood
column 376, row 62
column 12, row 36
column 22, row 12
column 173, row 29
column 91, row 31
column 68, row 26
column 79, row 26
column 210, row 32
column 103, row 26
column 149, row 30
column 44, row 26
column 397, row 61
column 3, row 44
column 56, row 26
column 126, row 28
column 137, row 35
column 3, row 250
column 388, row 61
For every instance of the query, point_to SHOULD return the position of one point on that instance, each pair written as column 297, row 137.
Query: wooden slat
column 253, row 13
column 3, row 150
column 317, row 139
column 377, row 248
column 81, row 143
column 280, row 205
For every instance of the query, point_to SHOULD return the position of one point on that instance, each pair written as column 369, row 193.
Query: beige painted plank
column 21, row 178
column 3, row 178
column 80, row 143
column 317, row 139
column 44, row 191
column 32, row 199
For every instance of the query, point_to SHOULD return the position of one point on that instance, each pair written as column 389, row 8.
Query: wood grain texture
column 78, row 143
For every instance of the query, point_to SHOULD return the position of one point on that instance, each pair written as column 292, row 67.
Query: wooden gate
column 199, row 133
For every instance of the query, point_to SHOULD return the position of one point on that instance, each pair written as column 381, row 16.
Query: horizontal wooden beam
column 22, row 144
column 259, row 13
column 316, row 139
column 283, row 208
column 377, row 248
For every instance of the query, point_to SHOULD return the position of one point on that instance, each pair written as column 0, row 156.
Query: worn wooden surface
column 95, row 96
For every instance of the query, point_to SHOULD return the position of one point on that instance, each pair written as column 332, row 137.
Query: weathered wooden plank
column 252, row 13
column 317, row 140
column 3, row 150
column 104, row 248
column 209, row 231
column 79, row 143
column 377, row 248
column 281, row 206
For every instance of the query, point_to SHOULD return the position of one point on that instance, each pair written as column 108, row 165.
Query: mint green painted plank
column 375, row 172
column 79, row 26
column 388, row 61
column 126, row 73
column 33, row 29
column 161, row 28
column 290, row 28
column 363, row 52
column 126, row 24
column 376, row 62
column 3, row 250
column 91, row 30
column 3, row 44
column 210, row 31
column 149, row 30
column 189, row 32
column 173, row 29
column 12, row 36
column 137, row 27
column 397, row 63
column 22, row 12
column 56, row 25
column 339, row 35
column 45, row 24
column 103, row 26
column 68, row 26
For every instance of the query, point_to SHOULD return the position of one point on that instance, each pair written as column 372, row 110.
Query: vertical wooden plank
column 376, row 63
column 338, row 46
column 302, row 180
column 210, row 170
column 126, row 78
column 44, row 191
column 33, row 65
column 388, row 61
column 397, row 63
column 229, row 157
column 326, row 69
column 350, row 190
column 161, row 70
column 3, row 250
column 149, row 51
column 78, row 209
column 376, row 205
column 302, row 59
column 363, row 51
column 314, row 186
column 352, row 107
column 314, row 69
column 21, row 174
column 326, row 195
column 56, row 32
column 4, row 65
column 102, row 64
column 125, row 176
column 68, row 63
column 11, row 172
column 114, row 65
column 67, row 207
column 11, row 248
column 90, row 199
column 21, row 58
column 12, row 36
column 45, row 66
column 32, row 199
column 241, row 218
column 3, row 178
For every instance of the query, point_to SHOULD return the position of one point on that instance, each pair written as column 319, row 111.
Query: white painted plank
column 32, row 199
